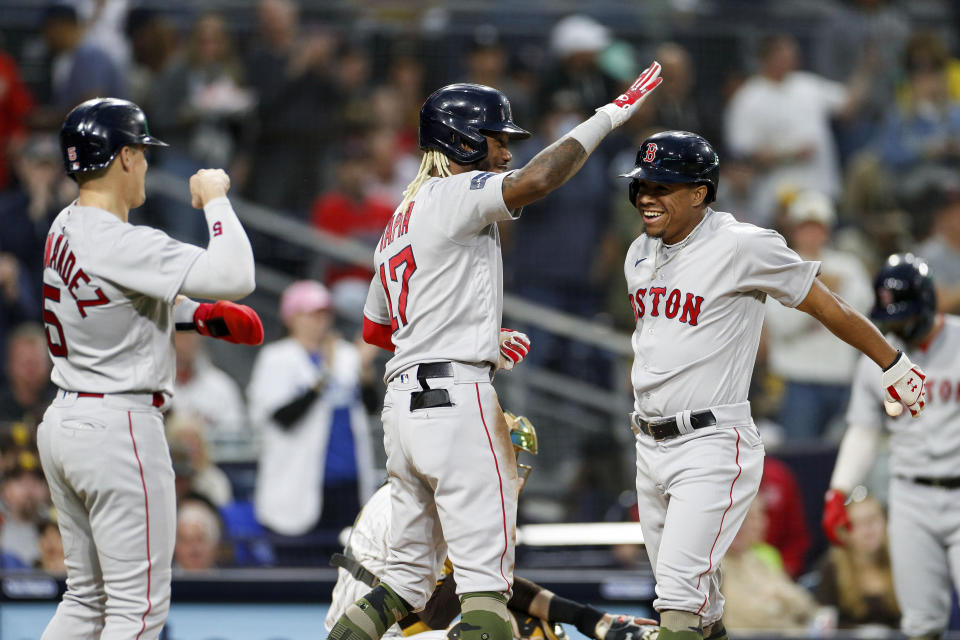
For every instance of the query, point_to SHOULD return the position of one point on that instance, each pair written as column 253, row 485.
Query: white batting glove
column 903, row 383
column 627, row 104
column 514, row 347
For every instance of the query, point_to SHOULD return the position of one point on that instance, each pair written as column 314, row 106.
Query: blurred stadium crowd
column 837, row 121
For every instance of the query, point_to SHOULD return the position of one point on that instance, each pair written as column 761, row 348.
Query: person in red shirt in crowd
column 787, row 526
column 16, row 103
column 351, row 211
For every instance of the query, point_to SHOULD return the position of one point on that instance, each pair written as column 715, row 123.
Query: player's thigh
column 124, row 472
column 651, row 499
column 468, row 457
column 711, row 482
column 918, row 557
column 85, row 581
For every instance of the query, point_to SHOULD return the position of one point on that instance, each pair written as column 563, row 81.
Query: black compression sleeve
column 582, row 616
column 524, row 592
column 295, row 409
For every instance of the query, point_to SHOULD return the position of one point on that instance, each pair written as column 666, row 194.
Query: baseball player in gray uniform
column 924, row 522
column 697, row 280
column 436, row 302
column 111, row 294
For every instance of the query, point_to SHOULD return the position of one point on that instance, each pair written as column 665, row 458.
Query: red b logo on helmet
column 651, row 153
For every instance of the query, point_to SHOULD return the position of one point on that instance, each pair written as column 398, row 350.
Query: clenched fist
column 207, row 185
column 514, row 347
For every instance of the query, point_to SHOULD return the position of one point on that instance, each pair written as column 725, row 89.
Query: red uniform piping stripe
column 503, row 508
column 722, row 518
column 146, row 508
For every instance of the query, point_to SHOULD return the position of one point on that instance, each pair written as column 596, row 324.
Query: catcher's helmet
column 906, row 303
column 672, row 157
column 459, row 114
column 94, row 132
column 524, row 438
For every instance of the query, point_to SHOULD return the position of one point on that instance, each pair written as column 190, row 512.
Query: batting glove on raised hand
column 903, row 383
column 627, row 104
column 622, row 627
column 836, row 521
column 236, row 323
column 514, row 347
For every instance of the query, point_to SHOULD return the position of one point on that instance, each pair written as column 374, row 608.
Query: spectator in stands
column 28, row 208
column 758, row 593
column 921, row 134
column 786, row 529
column 673, row 102
column 28, row 391
column 79, row 69
column 23, row 498
column 153, row 42
column 185, row 436
column 199, row 536
column 349, row 211
column 779, row 120
column 854, row 33
column 352, row 76
column 486, row 61
column 856, row 578
column 292, row 77
column 576, row 42
column 942, row 249
column 817, row 370
column 390, row 167
column 601, row 475
column 199, row 101
column 316, row 463
column 50, row 545
column 103, row 25
column 209, row 395
column 549, row 264
column 16, row 103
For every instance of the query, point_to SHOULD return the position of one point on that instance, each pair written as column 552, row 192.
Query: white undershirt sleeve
column 226, row 269
column 857, row 451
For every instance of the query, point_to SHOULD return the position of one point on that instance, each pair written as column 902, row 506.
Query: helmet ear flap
column 634, row 191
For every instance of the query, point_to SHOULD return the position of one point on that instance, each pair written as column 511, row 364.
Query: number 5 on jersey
column 397, row 286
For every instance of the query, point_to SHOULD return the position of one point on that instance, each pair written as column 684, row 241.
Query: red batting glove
column 236, row 323
column 836, row 522
column 630, row 100
column 514, row 347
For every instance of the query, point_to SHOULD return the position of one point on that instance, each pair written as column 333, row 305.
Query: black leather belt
column 431, row 398
column 667, row 428
column 952, row 482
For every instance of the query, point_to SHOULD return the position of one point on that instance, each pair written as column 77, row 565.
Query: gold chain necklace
column 677, row 247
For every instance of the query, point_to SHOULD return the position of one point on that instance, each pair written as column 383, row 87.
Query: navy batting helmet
column 460, row 114
column 672, row 157
column 95, row 131
column 906, row 303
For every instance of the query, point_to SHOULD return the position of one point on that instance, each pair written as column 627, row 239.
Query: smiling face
column 498, row 155
column 670, row 211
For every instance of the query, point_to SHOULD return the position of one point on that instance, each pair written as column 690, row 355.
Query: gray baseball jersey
column 439, row 280
column 699, row 306
column 924, row 525
column 928, row 445
column 108, row 292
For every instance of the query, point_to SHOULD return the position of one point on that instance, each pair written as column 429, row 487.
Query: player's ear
column 126, row 157
column 698, row 195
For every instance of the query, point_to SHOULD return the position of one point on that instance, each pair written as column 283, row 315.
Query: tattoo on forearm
column 556, row 163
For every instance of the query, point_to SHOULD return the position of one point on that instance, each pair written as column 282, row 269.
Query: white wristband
column 591, row 131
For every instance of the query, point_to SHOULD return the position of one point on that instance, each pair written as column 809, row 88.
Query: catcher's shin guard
column 485, row 616
column 370, row 616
